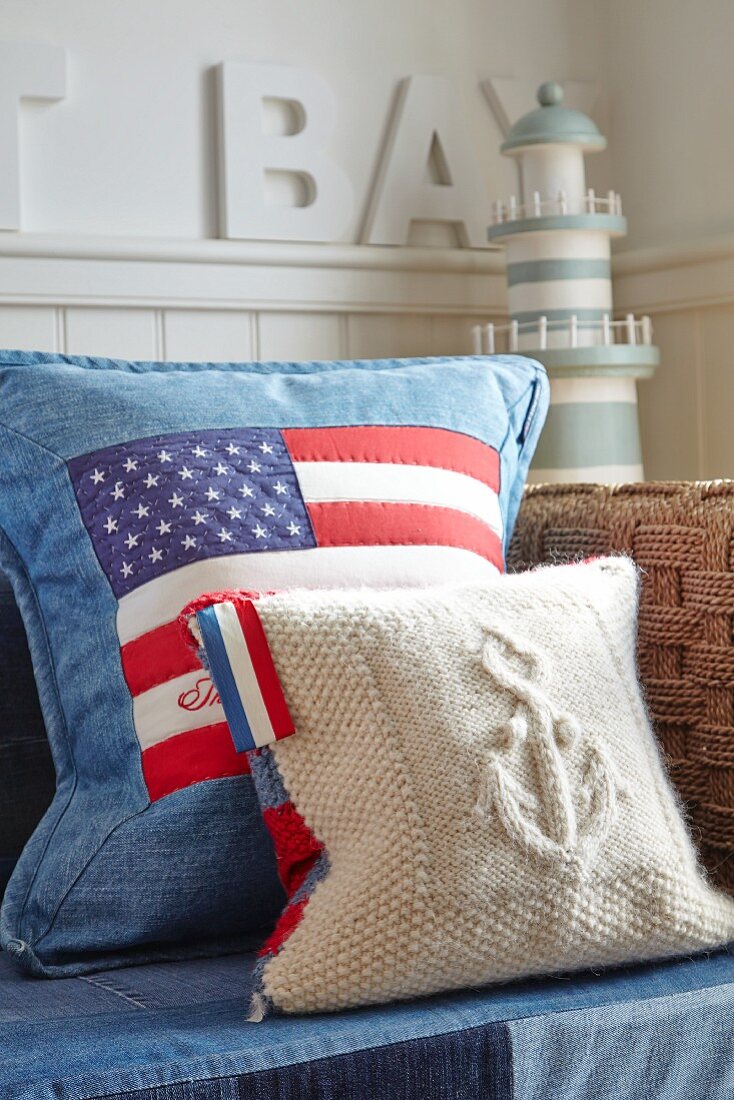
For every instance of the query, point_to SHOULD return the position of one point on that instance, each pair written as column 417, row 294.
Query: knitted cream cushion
column 473, row 792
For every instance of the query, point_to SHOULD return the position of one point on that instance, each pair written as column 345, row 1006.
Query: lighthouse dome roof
column 553, row 124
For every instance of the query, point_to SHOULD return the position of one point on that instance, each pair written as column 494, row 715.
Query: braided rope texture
column 681, row 534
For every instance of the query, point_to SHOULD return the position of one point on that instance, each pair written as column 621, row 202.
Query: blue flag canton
column 156, row 504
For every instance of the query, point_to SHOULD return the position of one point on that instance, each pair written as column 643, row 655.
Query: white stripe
column 610, row 475
column 243, row 673
column 158, row 715
column 399, row 483
column 582, row 391
column 160, row 600
column 559, row 244
column 589, row 334
column 560, row 294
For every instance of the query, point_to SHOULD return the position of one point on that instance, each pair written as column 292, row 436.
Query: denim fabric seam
column 101, row 362
column 491, row 1025
column 31, row 440
column 501, row 452
column 679, row 995
column 97, row 981
column 523, row 397
column 82, row 871
column 34, row 942
column 65, row 732
column 64, row 897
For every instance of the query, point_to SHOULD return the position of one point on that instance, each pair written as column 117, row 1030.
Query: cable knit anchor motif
column 555, row 823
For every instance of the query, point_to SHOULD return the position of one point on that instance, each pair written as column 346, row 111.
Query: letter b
column 250, row 158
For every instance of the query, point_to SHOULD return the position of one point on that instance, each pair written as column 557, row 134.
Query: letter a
column 427, row 122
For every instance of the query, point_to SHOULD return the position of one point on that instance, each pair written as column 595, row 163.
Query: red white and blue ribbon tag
column 244, row 674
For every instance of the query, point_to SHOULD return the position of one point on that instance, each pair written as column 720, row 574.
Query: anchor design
column 553, row 825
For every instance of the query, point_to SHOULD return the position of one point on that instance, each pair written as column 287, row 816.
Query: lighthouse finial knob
column 550, row 94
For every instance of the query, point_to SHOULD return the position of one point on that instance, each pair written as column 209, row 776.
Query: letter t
column 31, row 70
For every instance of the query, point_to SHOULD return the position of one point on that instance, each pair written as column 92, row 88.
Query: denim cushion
column 177, row 1031
column 26, row 768
column 153, row 846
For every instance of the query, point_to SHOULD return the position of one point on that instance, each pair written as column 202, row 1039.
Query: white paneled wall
column 133, row 332
column 231, row 334
column 142, row 300
column 208, row 333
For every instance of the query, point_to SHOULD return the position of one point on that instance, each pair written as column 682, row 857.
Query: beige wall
column 669, row 88
column 669, row 93
column 687, row 409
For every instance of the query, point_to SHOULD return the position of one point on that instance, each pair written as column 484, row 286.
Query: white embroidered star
column 155, row 554
column 221, row 469
column 132, row 540
column 111, row 525
column 224, row 535
column 126, row 569
column 267, row 510
column 254, row 467
column 259, row 532
column 164, row 527
column 212, row 494
column 199, row 518
column 151, row 481
column 130, row 465
column 234, row 513
column 246, row 491
column 164, row 456
column 232, row 450
column 280, row 488
column 141, row 511
column 294, row 528
column 266, row 448
column 185, row 473
column 189, row 542
column 176, row 501
column 118, row 493
column 199, row 451
column 97, row 476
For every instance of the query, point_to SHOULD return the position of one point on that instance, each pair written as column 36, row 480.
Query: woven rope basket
column 681, row 534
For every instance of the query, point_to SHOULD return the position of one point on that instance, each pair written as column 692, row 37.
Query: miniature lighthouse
column 557, row 238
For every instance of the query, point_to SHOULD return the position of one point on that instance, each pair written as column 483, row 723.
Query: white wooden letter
column 426, row 140
column 254, row 164
column 28, row 70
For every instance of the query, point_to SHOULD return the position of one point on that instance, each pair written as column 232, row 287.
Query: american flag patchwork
column 173, row 516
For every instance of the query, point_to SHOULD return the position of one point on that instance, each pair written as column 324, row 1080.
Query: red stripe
column 262, row 662
column 362, row 523
column 191, row 757
column 410, row 446
column 288, row 921
column 296, row 848
column 156, row 657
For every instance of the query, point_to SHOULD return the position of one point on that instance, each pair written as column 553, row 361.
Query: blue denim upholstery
column 111, row 876
column 177, row 1031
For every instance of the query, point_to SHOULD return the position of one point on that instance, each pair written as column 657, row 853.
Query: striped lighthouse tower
column 557, row 238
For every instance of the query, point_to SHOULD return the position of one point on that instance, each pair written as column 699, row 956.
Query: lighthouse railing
column 559, row 203
column 543, row 333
